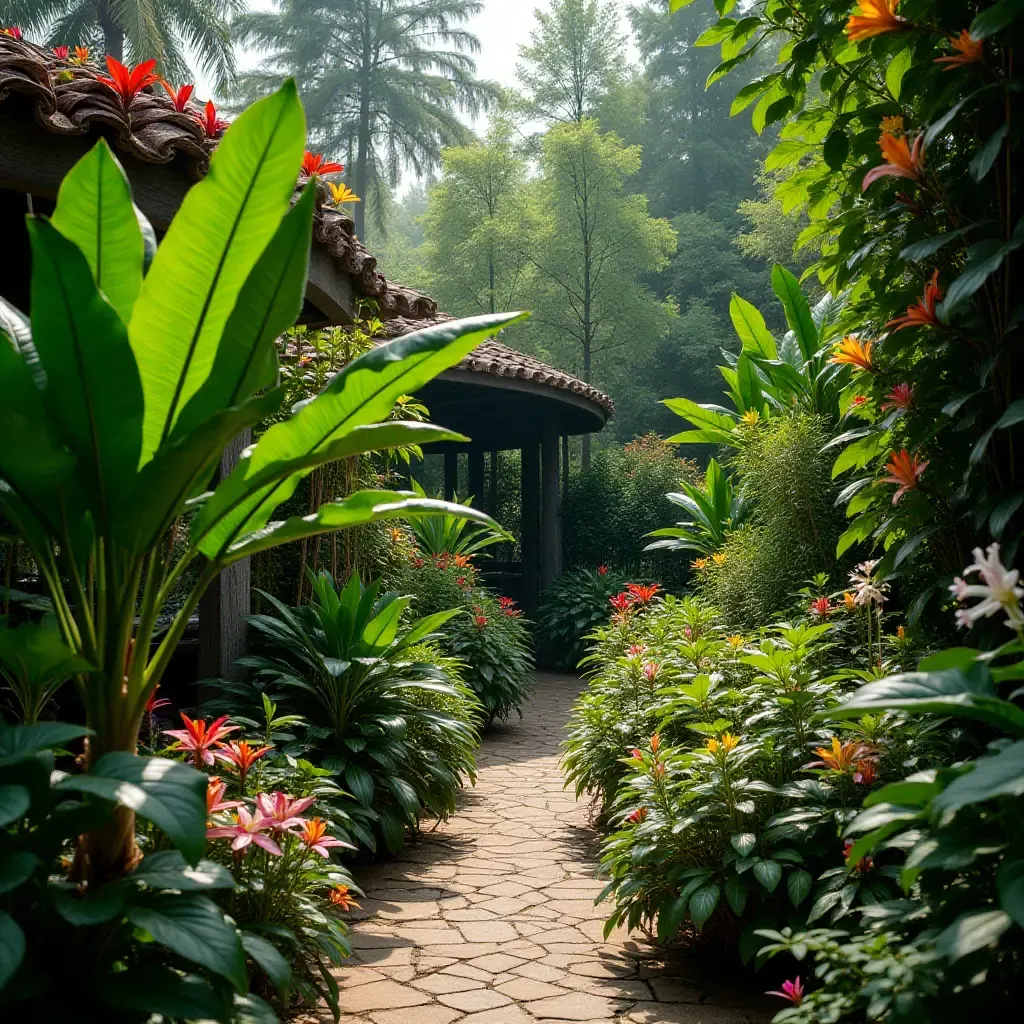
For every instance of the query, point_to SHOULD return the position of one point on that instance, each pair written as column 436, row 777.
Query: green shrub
column 569, row 610
column 610, row 509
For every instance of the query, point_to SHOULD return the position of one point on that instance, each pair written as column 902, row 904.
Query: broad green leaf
column 928, row 247
column 947, row 692
column 670, row 918
column 265, row 953
column 18, row 742
column 993, row 776
column 703, row 903
column 12, row 947
column 16, row 867
column 168, row 869
column 270, row 302
column 983, row 259
column 360, row 783
column 743, row 843
column 898, row 67
column 798, row 312
column 995, row 18
column 14, row 803
column 986, row 156
column 216, row 238
column 93, row 395
column 84, row 910
column 798, row 886
column 95, row 211
column 149, row 989
column 36, row 654
column 836, row 148
column 859, row 530
column 736, row 893
column 195, row 928
column 768, row 873
column 169, row 794
column 364, row 392
column 751, row 328
column 1010, row 886
column 971, row 932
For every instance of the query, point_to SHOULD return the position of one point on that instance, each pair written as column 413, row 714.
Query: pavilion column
column 551, row 513
column 492, row 500
column 530, row 524
column 565, row 468
column 225, row 605
column 451, row 473
column 476, row 478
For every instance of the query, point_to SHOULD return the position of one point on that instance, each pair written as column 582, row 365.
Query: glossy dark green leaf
column 86, row 909
column 16, row 866
column 168, row 869
column 995, row 18
column 93, row 392
column 14, row 803
column 743, row 843
column 983, row 259
column 670, row 918
column 972, row 932
column 993, row 776
column 266, row 954
column 703, row 903
column 195, row 928
column 836, row 148
column 360, row 783
column 986, row 156
column 736, row 893
column 149, row 989
column 768, row 873
column 12, row 947
column 216, row 238
column 20, row 741
column 798, row 885
column 798, row 311
column 95, row 211
column 169, row 794
column 927, row 248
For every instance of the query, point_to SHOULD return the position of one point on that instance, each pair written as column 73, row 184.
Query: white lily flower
column 999, row 590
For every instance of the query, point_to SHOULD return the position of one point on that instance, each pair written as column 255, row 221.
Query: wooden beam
column 530, row 522
column 225, row 605
column 476, row 477
column 451, row 473
column 551, row 513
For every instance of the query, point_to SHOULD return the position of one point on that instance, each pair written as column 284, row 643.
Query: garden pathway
column 490, row 918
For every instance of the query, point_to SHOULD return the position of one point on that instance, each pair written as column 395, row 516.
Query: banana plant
column 768, row 378
column 138, row 366
column 717, row 507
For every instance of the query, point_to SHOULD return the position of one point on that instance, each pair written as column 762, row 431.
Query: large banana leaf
column 223, row 226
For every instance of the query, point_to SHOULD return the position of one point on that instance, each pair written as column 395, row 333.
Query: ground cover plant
column 117, row 399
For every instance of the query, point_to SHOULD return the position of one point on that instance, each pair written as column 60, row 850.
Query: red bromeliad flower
column 643, row 593
column 199, row 738
column 900, row 397
column 212, row 124
column 316, row 163
column 602, row 570
column 791, row 990
column 902, row 159
column 242, row 756
column 621, row 602
column 153, row 704
column 905, row 471
column 13, row 31
column 180, row 96
column 636, row 753
column 313, row 836
column 247, row 829
column 61, row 52
column 215, row 801
column 923, row 312
column 282, row 810
column 128, row 84
column 968, row 51
column 638, row 816
column 864, row 865
column 821, row 607
column 341, row 897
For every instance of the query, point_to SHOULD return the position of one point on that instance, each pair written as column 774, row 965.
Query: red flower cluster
column 61, row 52
column 317, row 163
column 479, row 619
column 180, row 96
column 128, row 84
column 508, row 607
column 821, row 608
column 637, row 816
column 643, row 593
column 602, row 570
column 211, row 123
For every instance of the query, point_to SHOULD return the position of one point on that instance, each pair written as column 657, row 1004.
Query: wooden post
column 226, row 603
column 551, row 517
column 565, row 468
column 492, row 500
column 530, row 525
column 476, row 478
column 451, row 473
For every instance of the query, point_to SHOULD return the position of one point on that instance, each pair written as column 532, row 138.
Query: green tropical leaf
column 16, row 867
column 751, row 328
column 168, row 869
column 149, row 989
column 12, row 947
column 216, row 238
column 992, row 776
column 265, row 953
column 14, row 803
column 768, row 873
column 799, row 886
column 798, row 311
column 703, row 903
column 95, row 211
column 972, row 932
column 18, row 742
column 1010, row 886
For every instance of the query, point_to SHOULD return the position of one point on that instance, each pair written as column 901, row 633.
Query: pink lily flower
column 791, row 990
column 282, row 810
column 246, row 830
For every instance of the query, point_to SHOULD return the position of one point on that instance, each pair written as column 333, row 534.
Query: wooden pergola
column 51, row 114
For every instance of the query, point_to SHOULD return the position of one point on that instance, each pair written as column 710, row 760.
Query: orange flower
column 655, row 743
column 904, row 470
column 317, row 163
column 901, row 159
column 922, row 313
column 968, row 51
column 849, row 602
column 81, row 55
column 461, row 561
column 699, row 563
column 341, row 896
column 893, row 125
column 852, row 352
column 876, row 17
column 638, row 816
column 845, row 758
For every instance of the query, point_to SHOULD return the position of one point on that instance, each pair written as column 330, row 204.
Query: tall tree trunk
column 585, row 453
column 364, row 139
column 113, row 36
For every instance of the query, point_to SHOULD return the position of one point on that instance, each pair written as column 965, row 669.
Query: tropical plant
column 172, row 31
column 193, row 962
column 375, row 80
column 117, row 402
column 342, row 662
column 768, row 378
column 34, row 664
column 716, row 506
column 453, row 534
column 569, row 610
column 905, row 160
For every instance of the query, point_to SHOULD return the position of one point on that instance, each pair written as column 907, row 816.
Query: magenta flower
column 246, row 830
column 282, row 810
column 791, row 990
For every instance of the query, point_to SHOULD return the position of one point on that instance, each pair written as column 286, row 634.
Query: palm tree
column 382, row 81
column 170, row 30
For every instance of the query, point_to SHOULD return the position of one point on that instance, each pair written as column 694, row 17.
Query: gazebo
column 52, row 112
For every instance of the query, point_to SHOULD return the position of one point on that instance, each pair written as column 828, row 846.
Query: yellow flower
column 713, row 746
column 892, row 125
column 852, row 352
column 735, row 640
column 720, row 557
column 849, row 601
column 750, row 417
column 729, row 742
column 342, row 194
column 901, row 633
column 699, row 563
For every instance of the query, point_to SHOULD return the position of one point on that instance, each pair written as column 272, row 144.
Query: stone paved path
column 490, row 919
